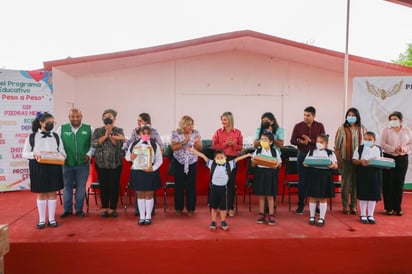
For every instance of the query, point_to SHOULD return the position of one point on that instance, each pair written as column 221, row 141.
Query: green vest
column 76, row 145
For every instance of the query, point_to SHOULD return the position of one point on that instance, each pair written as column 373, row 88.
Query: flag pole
column 346, row 62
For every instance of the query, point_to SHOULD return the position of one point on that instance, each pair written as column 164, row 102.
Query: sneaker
column 212, row 225
column 271, row 220
column 261, row 218
column 66, row 214
column 224, row 225
column 299, row 211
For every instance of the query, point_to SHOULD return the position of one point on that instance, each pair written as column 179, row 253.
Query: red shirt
column 219, row 141
column 312, row 132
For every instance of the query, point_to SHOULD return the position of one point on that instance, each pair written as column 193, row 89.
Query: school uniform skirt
column 144, row 181
column 320, row 183
column 265, row 182
column 45, row 177
column 369, row 183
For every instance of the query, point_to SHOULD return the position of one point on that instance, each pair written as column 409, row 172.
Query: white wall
column 203, row 87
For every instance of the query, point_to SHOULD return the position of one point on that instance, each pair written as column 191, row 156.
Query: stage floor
column 18, row 209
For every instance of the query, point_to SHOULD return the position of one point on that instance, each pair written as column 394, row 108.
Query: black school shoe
column 41, row 225
column 53, row 224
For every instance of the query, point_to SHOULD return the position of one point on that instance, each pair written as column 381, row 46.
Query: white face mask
column 394, row 123
column 319, row 146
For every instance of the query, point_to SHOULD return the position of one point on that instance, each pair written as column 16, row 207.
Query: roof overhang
column 246, row 40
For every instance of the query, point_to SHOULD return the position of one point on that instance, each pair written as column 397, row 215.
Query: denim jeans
column 75, row 176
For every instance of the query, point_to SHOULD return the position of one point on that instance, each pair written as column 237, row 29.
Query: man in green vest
column 76, row 138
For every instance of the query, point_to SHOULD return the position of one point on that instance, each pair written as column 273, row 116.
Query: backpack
column 360, row 150
column 328, row 151
column 213, row 167
column 272, row 151
column 31, row 140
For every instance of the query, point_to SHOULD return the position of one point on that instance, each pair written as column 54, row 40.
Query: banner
column 377, row 97
column 22, row 94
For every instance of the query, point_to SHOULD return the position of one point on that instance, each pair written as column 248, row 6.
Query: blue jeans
column 75, row 176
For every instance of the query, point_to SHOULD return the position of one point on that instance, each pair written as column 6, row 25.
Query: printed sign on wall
column 377, row 97
column 22, row 94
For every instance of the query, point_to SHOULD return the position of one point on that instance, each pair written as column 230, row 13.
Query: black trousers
column 393, row 182
column 109, row 179
column 184, row 182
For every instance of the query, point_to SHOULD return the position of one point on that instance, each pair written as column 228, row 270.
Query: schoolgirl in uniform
column 145, row 181
column 369, row 179
column 320, row 180
column 266, row 179
column 45, row 179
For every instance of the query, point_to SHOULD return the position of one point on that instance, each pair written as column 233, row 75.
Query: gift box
column 317, row 162
column 54, row 158
column 382, row 162
column 265, row 160
column 4, row 240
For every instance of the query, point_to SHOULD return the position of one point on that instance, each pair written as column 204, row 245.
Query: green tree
column 405, row 58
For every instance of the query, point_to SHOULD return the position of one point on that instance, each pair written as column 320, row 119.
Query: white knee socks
column 322, row 209
column 371, row 208
column 142, row 207
column 149, row 208
column 41, row 208
column 51, row 206
column 312, row 209
column 363, row 205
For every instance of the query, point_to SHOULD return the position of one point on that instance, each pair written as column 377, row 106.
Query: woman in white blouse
column 396, row 142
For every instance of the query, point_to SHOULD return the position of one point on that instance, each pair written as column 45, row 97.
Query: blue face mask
column 351, row 119
column 368, row 143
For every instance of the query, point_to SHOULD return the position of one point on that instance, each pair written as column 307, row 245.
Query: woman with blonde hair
column 230, row 140
column 184, row 137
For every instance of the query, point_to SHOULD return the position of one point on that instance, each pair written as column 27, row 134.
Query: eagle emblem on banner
column 382, row 93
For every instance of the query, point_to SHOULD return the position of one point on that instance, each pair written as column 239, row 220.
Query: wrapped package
column 47, row 157
column 265, row 160
column 382, row 162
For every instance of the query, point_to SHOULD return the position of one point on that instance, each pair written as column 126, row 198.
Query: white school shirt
column 158, row 157
column 368, row 153
column 220, row 177
column 42, row 144
column 323, row 154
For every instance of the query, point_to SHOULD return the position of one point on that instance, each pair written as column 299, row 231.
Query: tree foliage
column 405, row 58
